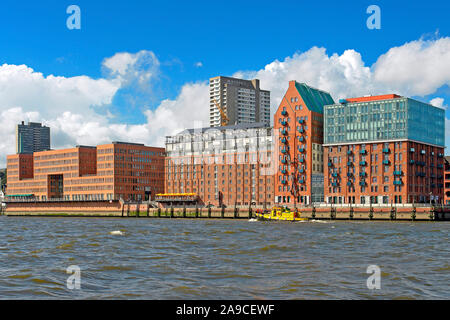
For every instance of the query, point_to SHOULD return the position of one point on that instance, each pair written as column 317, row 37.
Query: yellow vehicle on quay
column 279, row 214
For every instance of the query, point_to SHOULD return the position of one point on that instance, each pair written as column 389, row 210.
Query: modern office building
column 32, row 137
column 241, row 100
column 383, row 149
column 106, row 172
column 229, row 165
column 298, row 137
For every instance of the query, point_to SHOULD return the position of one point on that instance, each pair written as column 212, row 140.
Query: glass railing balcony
column 284, row 140
column 349, row 174
column 283, row 161
column 397, row 173
column 334, row 184
column 440, row 155
column 284, row 151
column 301, row 170
column 349, row 163
column 385, row 150
column 349, row 184
column 301, row 121
column 349, row 152
column 284, row 132
column 385, row 161
column 362, row 174
column 330, row 164
column 412, row 150
column 334, row 174
column 398, row 182
column 301, row 130
column 301, row 139
column 283, row 171
column 283, row 181
column 284, row 113
column 362, row 163
column 301, row 160
column 411, row 161
column 362, row 183
column 301, row 149
column 284, row 123
column 363, row 152
column 301, row 181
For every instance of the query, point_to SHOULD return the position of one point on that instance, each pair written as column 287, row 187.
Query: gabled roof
column 314, row 99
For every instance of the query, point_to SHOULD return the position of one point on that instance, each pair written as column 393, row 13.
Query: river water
column 221, row 259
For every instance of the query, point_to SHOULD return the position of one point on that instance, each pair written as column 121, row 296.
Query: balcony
column 362, row 163
column 301, row 149
column 440, row 166
column 301, row 181
column 284, row 140
column 362, row 183
column 284, row 113
column 284, row 171
column 301, row 170
column 283, row 181
column 284, row 161
column 397, row 173
column 301, row 160
column 330, row 164
column 398, row 182
column 386, row 150
column 363, row 174
column 349, row 184
column 349, row 152
column 334, row 174
column 363, row 152
column 349, row 164
column 440, row 155
column 301, row 121
column 301, row 130
column 284, row 151
column 349, row 174
column 301, row 139
column 284, row 132
column 411, row 161
column 422, row 152
column 412, row 150
column 284, row 123
column 386, row 162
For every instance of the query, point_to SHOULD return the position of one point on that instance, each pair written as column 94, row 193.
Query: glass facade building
column 398, row 118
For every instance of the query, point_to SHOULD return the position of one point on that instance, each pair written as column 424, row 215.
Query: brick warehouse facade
column 229, row 165
column 106, row 172
column 383, row 149
column 298, row 131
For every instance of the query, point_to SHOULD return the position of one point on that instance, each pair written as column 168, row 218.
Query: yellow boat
column 280, row 214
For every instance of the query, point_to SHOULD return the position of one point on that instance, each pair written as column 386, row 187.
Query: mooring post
column 138, row 209
column 123, row 208
column 128, row 210
column 223, row 211
column 148, row 209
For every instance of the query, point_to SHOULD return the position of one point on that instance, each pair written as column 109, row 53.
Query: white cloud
column 198, row 64
column 438, row 102
column 141, row 67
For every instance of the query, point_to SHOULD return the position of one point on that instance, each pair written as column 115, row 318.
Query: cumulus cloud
column 438, row 102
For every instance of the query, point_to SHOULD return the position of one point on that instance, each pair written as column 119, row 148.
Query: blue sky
column 225, row 36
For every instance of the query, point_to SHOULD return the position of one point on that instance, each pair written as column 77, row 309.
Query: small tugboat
column 279, row 214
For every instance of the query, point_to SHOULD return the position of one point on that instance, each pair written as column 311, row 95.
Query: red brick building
column 106, row 172
column 298, row 136
column 383, row 149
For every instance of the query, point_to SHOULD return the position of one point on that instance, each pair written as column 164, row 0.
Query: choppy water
column 222, row 259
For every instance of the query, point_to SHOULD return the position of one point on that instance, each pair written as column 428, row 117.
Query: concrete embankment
column 118, row 209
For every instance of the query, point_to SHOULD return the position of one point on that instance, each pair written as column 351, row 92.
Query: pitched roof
column 314, row 98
